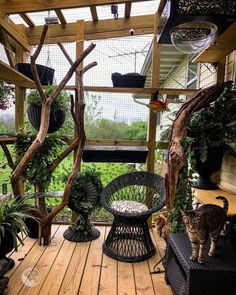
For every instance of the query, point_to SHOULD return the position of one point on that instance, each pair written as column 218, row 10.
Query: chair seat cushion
column 129, row 206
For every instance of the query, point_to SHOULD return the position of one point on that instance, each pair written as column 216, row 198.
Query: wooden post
column 79, row 49
column 154, row 84
column 220, row 71
column 19, row 94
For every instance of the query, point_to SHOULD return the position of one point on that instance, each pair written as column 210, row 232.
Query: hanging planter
column 45, row 73
column 57, row 118
column 57, row 113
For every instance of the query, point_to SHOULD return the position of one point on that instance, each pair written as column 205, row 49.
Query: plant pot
column 6, row 246
column 33, row 227
column 128, row 80
column 210, row 166
column 57, row 118
column 46, row 74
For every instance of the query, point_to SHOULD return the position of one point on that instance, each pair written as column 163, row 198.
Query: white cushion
column 129, row 206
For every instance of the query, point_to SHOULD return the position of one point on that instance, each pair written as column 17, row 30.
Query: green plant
column 37, row 171
column 6, row 94
column 12, row 220
column 62, row 101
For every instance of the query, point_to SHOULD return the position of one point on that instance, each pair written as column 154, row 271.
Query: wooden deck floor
column 69, row 268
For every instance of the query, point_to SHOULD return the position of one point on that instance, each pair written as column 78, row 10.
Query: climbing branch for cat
column 176, row 156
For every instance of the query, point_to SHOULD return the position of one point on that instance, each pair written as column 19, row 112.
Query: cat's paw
column 200, row 259
column 192, row 257
column 211, row 254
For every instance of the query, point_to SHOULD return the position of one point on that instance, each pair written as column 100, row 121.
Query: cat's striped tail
column 225, row 202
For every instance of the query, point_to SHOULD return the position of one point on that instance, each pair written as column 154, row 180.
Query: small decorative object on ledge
column 84, row 197
column 128, row 80
column 46, row 74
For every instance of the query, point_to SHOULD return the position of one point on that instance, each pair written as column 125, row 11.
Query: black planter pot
column 33, row 227
column 210, row 166
column 57, row 118
column 6, row 245
column 46, row 74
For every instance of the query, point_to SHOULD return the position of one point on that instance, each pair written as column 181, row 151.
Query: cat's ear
column 182, row 213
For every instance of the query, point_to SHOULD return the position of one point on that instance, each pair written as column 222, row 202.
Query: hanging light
column 51, row 19
column 114, row 10
column 193, row 37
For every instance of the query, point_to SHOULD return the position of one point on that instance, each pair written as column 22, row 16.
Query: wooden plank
column 222, row 46
column 94, row 14
column 74, row 273
column 92, row 29
column 15, row 284
column 12, row 76
column 143, row 280
column 16, row 6
column 126, row 283
column 209, row 197
column 106, row 142
column 45, row 262
column 61, row 17
column 220, row 75
column 108, row 281
column 56, row 274
column 91, row 276
column 13, row 30
column 27, row 19
column 128, row 9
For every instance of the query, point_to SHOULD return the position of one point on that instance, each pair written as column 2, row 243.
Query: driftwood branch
column 176, row 156
column 7, row 154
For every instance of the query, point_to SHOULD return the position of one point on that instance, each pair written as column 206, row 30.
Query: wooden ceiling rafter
column 27, row 19
column 17, row 6
column 101, row 29
column 94, row 13
column 7, row 47
column 128, row 9
column 61, row 17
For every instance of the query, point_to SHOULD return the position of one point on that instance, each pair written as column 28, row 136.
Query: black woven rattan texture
column 217, row 276
column 129, row 238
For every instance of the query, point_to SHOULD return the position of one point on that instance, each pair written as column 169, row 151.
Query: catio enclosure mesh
column 113, row 111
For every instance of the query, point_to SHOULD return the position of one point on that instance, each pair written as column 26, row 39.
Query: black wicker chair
column 132, row 198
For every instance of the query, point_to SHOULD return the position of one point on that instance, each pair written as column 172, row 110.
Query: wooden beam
column 8, row 48
column 101, row 29
column 11, row 75
column 16, row 6
column 128, row 9
column 61, row 17
column 223, row 46
column 220, row 78
column 94, row 14
column 27, row 19
column 15, row 31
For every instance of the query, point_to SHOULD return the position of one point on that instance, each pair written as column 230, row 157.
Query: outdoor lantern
column 192, row 25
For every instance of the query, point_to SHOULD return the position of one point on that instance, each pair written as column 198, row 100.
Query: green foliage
column 62, row 101
column 215, row 125
column 12, row 215
column 37, row 171
column 137, row 131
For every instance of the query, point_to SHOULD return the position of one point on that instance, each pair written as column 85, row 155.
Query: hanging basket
column 57, row 118
column 45, row 73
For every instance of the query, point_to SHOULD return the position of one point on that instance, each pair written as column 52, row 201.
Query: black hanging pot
column 45, row 73
column 57, row 118
column 207, row 168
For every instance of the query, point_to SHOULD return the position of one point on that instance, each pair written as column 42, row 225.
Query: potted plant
column 84, row 197
column 211, row 130
column 58, row 109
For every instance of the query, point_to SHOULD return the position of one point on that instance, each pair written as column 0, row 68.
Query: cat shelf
column 119, row 154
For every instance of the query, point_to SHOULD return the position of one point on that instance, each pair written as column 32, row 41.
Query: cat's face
column 192, row 220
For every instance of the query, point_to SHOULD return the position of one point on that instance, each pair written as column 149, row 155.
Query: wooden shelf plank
column 12, row 76
column 223, row 46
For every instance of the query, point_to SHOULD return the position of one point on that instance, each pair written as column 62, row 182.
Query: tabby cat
column 207, row 220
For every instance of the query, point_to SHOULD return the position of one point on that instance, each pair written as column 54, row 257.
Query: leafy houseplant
column 58, row 108
column 212, row 129
column 84, row 197
column 12, row 224
column 6, row 94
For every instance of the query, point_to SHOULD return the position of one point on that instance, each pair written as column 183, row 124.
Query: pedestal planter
column 57, row 118
column 45, row 73
column 210, row 166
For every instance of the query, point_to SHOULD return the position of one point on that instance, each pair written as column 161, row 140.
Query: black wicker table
column 217, row 276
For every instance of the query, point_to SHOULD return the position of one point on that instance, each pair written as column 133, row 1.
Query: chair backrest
column 144, row 187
